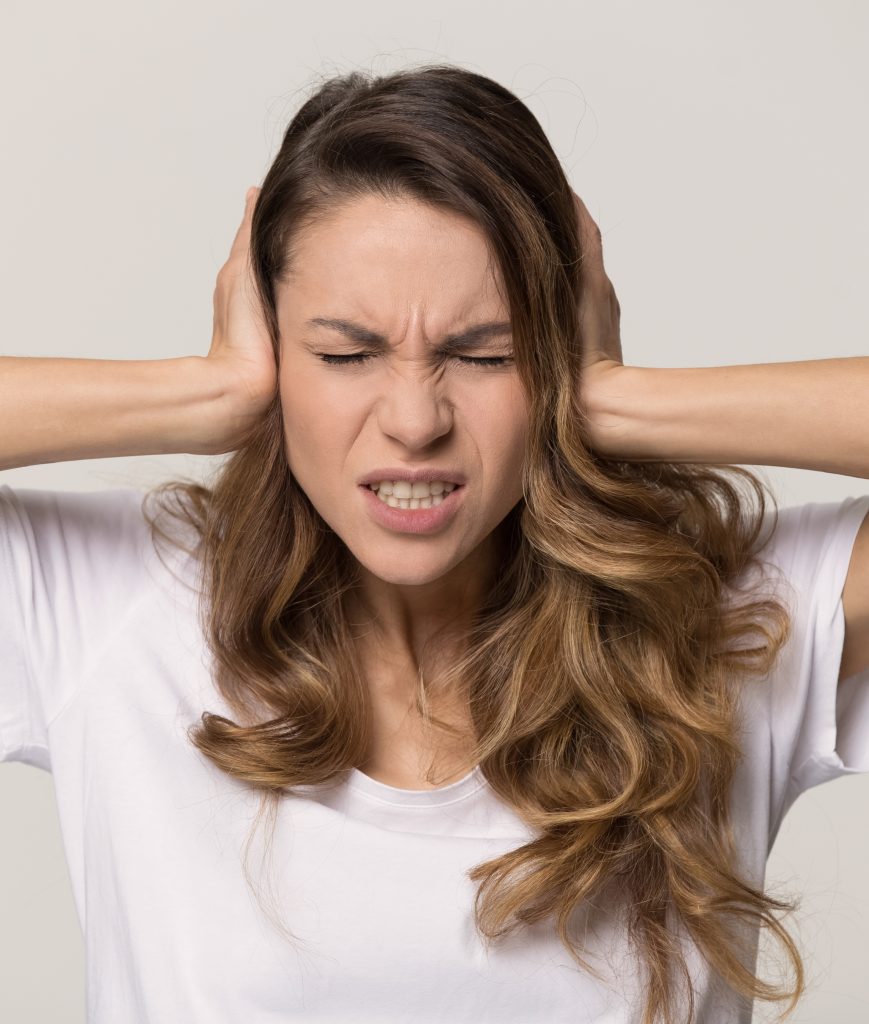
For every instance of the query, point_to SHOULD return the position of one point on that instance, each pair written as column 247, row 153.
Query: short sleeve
column 66, row 560
column 819, row 728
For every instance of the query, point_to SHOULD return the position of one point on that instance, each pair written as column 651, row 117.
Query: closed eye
column 360, row 357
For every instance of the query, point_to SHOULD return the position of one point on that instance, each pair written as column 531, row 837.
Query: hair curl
column 600, row 674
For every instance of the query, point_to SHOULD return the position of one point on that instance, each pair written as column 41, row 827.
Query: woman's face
column 412, row 275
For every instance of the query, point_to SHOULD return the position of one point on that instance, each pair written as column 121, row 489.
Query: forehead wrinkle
column 458, row 341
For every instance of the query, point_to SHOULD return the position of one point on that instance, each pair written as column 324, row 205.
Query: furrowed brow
column 451, row 343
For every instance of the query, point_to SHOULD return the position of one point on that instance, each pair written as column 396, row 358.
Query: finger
column 241, row 242
column 586, row 221
column 590, row 235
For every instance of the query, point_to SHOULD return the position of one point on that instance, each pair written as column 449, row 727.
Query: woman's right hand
column 241, row 347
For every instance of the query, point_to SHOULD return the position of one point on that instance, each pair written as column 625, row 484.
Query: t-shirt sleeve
column 66, row 560
column 818, row 727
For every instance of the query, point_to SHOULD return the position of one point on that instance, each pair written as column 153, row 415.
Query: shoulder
column 822, row 550
column 73, row 566
column 813, row 537
column 74, row 550
column 46, row 513
column 855, row 602
column 80, row 530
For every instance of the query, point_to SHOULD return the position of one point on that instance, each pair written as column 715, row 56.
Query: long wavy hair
column 600, row 674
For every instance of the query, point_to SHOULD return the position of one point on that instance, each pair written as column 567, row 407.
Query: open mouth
column 410, row 504
column 421, row 515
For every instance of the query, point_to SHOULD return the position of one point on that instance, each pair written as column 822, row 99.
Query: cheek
column 306, row 385
column 304, row 428
column 308, row 407
column 499, row 432
column 319, row 432
column 500, row 416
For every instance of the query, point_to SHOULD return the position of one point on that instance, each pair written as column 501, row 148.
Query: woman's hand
column 599, row 309
column 241, row 347
column 599, row 319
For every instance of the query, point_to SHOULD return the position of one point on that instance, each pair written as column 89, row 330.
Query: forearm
column 811, row 414
column 58, row 410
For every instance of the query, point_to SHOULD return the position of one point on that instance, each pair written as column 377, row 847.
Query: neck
column 399, row 621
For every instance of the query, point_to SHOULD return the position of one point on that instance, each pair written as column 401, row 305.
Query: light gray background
column 721, row 147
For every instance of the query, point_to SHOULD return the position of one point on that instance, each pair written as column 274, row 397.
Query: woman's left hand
column 599, row 309
column 599, row 319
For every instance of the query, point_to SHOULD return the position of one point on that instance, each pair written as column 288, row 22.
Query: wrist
column 236, row 402
column 614, row 396
column 202, row 398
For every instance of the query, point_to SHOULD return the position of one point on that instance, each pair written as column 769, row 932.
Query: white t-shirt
column 103, row 667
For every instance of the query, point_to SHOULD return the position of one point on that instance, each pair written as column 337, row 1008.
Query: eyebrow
column 451, row 343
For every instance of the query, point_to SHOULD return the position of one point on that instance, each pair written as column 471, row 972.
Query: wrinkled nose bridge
column 420, row 371
column 417, row 392
column 414, row 403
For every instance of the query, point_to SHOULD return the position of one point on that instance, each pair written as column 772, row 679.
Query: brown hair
column 601, row 672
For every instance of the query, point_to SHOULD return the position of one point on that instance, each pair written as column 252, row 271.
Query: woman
column 524, row 682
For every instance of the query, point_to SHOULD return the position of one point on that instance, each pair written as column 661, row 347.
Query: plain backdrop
column 720, row 146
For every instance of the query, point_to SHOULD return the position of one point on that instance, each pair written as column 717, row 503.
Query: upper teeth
column 405, row 489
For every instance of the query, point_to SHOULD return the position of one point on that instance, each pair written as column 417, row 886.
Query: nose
column 414, row 411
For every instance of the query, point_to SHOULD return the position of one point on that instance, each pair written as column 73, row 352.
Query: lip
column 413, row 520
column 449, row 476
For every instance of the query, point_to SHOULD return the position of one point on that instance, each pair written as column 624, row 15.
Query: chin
column 403, row 574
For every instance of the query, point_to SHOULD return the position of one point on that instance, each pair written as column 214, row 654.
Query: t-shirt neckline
column 359, row 782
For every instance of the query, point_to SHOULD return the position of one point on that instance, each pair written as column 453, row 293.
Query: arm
column 812, row 414
column 806, row 415
column 57, row 410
